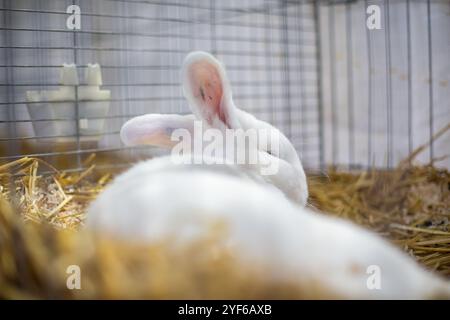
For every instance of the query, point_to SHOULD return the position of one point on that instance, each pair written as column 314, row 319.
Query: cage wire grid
column 343, row 94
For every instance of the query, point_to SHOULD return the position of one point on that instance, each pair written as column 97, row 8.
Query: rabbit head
column 208, row 92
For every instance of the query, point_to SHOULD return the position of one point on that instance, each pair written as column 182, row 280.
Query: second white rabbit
column 267, row 223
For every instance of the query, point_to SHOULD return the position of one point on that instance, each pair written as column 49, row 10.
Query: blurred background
column 345, row 95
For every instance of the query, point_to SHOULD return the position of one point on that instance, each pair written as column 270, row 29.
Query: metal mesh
column 384, row 92
column 342, row 93
column 268, row 47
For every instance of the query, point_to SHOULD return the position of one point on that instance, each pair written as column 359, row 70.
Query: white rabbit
column 207, row 89
column 157, row 199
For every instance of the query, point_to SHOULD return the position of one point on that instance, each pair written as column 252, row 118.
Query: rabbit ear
column 206, row 87
column 154, row 129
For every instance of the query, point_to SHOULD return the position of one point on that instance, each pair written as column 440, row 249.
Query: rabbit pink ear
column 207, row 90
column 155, row 129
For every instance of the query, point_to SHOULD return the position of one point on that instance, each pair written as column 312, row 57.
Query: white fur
column 153, row 201
column 155, row 129
column 157, row 199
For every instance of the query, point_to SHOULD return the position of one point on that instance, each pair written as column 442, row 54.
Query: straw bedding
column 41, row 219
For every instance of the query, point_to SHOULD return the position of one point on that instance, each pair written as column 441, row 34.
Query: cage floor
column 409, row 205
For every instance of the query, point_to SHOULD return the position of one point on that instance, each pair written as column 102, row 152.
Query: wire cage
column 342, row 93
column 357, row 86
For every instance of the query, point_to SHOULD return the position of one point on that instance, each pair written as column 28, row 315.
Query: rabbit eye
column 269, row 152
